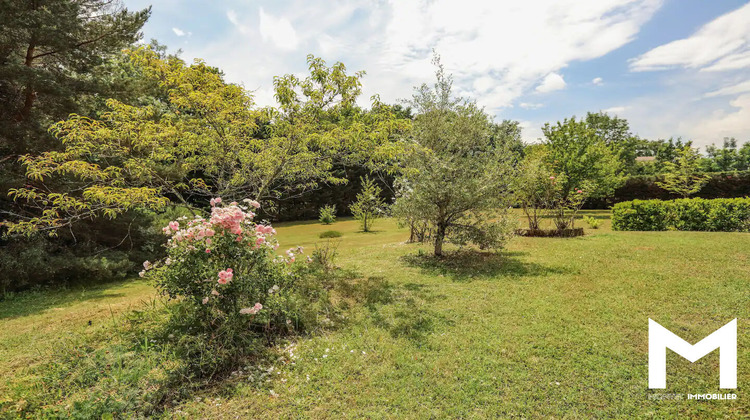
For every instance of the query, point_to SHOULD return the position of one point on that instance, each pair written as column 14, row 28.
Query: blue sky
column 671, row 67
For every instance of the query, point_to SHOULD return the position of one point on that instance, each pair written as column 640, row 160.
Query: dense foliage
column 456, row 178
column 230, row 285
column 575, row 149
column 724, row 215
column 682, row 177
column 207, row 139
column 646, row 187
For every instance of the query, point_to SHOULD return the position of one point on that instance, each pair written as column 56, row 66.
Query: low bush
column 230, row 298
column 721, row 214
column 324, row 255
column 330, row 234
column 593, row 222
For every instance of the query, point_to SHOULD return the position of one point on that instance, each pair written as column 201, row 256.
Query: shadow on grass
column 468, row 265
column 33, row 301
column 401, row 310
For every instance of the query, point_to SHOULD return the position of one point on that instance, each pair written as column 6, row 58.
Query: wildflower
column 252, row 311
column 551, row 177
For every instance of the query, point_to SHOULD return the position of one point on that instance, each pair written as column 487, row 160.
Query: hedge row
column 720, row 214
column 644, row 187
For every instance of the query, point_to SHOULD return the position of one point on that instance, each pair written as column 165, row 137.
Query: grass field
column 553, row 328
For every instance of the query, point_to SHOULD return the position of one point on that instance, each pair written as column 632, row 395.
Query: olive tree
column 456, row 178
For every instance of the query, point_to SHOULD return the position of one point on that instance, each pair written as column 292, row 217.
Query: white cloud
column 277, row 30
column 722, row 44
column 615, row 110
column 514, row 45
column 232, row 16
column 550, row 83
column 179, row 32
column 597, row 81
column 714, row 127
column 526, row 105
column 730, row 90
column 496, row 52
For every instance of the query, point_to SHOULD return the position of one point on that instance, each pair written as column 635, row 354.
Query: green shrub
column 327, row 214
column 324, row 255
column 330, row 234
column 593, row 223
column 369, row 205
column 233, row 289
column 721, row 214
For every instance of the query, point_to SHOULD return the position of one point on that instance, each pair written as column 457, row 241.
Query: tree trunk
column 29, row 93
column 439, row 238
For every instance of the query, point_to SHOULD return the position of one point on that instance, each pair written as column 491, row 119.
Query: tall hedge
column 720, row 214
column 644, row 187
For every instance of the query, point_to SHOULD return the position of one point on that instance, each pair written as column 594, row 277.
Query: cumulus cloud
column 722, row 44
column 597, row 81
column 550, row 83
column 278, row 30
column 722, row 123
column 497, row 53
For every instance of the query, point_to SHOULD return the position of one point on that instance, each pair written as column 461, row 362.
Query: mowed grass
column 553, row 328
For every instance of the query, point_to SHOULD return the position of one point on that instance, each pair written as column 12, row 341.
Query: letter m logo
column 660, row 339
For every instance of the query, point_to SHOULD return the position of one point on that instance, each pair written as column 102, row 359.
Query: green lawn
column 549, row 328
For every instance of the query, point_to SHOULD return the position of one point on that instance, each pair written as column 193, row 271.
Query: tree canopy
column 207, row 138
column 457, row 177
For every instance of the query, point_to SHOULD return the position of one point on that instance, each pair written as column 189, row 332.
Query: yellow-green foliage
column 207, row 138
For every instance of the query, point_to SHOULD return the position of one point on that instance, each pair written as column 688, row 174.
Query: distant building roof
column 645, row 158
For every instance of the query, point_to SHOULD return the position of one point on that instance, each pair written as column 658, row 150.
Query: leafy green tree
column 507, row 134
column 616, row 134
column 207, row 139
column 577, row 151
column 369, row 205
column 743, row 156
column 722, row 159
column 683, row 176
column 455, row 178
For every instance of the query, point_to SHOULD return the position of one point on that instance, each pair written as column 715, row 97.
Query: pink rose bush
column 226, row 275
